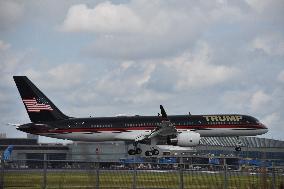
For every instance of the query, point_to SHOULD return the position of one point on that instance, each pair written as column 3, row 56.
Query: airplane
column 177, row 130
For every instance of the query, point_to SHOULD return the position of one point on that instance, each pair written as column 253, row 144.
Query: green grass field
column 123, row 180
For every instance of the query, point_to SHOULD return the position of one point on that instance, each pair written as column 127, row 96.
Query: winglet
column 163, row 112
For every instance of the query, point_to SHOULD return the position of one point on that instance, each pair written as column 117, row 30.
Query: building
column 99, row 151
column 24, row 148
column 253, row 148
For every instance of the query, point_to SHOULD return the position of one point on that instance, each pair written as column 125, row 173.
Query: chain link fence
column 117, row 175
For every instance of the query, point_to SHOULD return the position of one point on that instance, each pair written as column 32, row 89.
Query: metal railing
column 118, row 175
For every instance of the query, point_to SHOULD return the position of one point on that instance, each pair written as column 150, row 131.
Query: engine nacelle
column 187, row 139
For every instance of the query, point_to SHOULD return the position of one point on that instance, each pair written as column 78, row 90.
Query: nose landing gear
column 238, row 148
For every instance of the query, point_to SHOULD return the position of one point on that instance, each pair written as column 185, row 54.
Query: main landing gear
column 152, row 152
column 137, row 151
column 238, row 148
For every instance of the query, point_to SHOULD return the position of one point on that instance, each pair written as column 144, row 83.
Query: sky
column 104, row 58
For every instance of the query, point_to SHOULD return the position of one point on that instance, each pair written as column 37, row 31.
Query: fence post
column 98, row 175
column 273, row 177
column 44, row 170
column 181, row 184
column 2, row 172
column 225, row 174
column 134, row 175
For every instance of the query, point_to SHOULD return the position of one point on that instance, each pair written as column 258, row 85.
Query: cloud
column 10, row 14
column 194, row 69
column 11, row 62
column 144, row 17
column 130, row 56
column 274, row 124
column 4, row 46
column 259, row 100
column 263, row 6
column 281, row 76
column 59, row 79
column 153, row 80
column 127, row 83
column 104, row 18
column 143, row 29
column 236, row 100
column 258, row 5
column 271, row 119
column 69, row 75
column 270, row 43
column 251, row 101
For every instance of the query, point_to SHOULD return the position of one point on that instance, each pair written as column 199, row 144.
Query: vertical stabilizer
column 38, row 106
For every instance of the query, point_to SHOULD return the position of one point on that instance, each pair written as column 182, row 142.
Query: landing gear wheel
column 138, row 151
column 155, row 152
column 148, row 153
column 131, row 152
column 238, row 149
column 239, row 145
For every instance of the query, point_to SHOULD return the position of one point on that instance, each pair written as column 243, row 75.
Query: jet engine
column 186, row 139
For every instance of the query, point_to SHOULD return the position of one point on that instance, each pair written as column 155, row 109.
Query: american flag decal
column 33, row 106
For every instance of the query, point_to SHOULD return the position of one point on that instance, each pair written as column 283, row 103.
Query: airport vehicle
column 181, row 130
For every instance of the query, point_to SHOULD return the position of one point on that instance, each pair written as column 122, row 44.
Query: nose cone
column 263, row 126
column 263, row 129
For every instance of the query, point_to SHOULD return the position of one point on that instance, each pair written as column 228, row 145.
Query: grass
column 144, row 179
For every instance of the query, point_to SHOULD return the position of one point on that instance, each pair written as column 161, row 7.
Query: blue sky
column 105, row 58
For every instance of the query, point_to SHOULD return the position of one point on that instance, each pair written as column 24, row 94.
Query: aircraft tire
column 138, row 151
column 131, row 152
column 155, row 152
column 148, row 153
column 238, row 149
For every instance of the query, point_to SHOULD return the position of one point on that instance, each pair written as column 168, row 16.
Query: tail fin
column 38, row 106
column 8, row 152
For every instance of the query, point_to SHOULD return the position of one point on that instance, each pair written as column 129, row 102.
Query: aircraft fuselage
column 123, row 127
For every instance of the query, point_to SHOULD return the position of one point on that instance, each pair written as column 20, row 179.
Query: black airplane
column 181, row 130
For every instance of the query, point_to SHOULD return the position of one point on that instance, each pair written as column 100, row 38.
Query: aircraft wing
column 166, row 128
column 128, row 136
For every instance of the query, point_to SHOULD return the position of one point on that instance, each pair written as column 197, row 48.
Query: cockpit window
column 252, row 119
